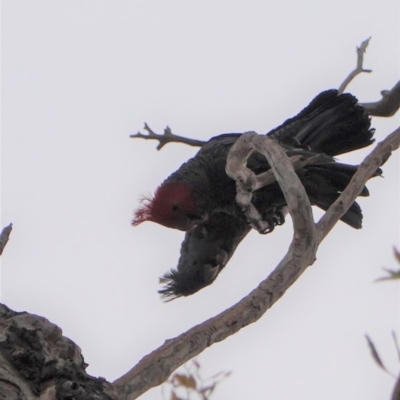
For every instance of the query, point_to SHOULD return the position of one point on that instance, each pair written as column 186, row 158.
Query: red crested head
column 173, row 206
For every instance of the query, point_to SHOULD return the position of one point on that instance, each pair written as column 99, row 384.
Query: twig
column 396, row 390
column 367, row 168
column 396, row 343
column 359, row 67
column 166, row 137
column 388, row 105
column 376, row 357
column 4, row 235
column 390, row 102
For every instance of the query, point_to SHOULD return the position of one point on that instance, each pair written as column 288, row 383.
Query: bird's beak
column 195, row 222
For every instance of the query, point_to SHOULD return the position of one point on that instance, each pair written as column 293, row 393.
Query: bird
column 205, row 251
column 199, row 198
column 332, row 124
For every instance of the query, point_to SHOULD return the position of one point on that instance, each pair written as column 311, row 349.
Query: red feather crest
column 163, row 207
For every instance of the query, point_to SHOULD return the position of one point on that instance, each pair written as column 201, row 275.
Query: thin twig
column 385, row 107
column 396, row 343
column 376, row 357
column 396, row 390
column 4, row 235
column 359, row 67
column 166, row 137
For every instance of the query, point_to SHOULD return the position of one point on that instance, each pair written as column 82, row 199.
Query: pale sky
column 79, row 77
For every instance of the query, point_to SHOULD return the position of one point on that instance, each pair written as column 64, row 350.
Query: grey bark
column 38, row 362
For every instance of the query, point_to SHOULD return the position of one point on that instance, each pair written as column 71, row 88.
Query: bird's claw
column 270, row 220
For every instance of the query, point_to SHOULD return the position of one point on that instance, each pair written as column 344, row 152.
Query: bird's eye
column 174, row 207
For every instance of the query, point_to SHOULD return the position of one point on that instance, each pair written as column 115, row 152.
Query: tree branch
column 4, row 236
column 396, row 390
column 371, row 163
column 155, row 368
column 166, row 137
column 247, row 181
column 359, row 67
column 388, row 105
column 26, row 337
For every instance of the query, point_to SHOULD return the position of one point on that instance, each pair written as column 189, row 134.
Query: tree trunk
column 37, row 362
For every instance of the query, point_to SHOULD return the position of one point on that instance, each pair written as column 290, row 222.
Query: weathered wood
column 38, row 362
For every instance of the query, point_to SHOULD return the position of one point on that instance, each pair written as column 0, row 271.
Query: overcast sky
column 78, row 77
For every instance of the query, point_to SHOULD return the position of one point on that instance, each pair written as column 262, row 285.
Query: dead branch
column 388, row 105
column 390, row 102
column 359, row 66
column 166, row 137
column 155, row 368
column 396, row 390
column 4, row 236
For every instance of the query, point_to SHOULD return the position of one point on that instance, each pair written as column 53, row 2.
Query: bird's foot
column 270, row 220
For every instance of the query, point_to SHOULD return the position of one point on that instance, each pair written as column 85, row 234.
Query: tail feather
column 325, row 182
column 333, row 176
column 332, row 124
column 352, row 217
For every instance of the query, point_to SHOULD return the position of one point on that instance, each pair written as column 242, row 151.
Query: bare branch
column 367, row 168
column 157, row 366
column 166, row 137
column 4, row 235
column 388, row 105
column 359, row 67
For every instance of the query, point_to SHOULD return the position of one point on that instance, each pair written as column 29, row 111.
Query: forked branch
column 359, row 66
column 155, row 368
column 388, row 105
column 166, row 137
